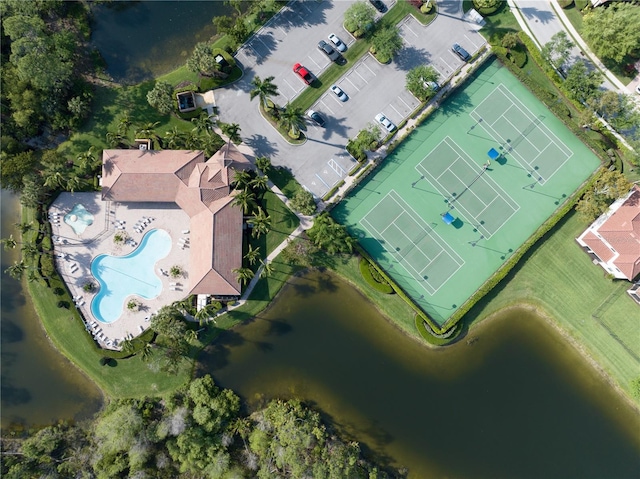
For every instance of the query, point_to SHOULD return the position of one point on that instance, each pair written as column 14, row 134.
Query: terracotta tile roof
column 598, row 247
column 620, row 231
column 201, row 189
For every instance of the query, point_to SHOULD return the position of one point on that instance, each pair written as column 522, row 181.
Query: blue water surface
column 134, row 274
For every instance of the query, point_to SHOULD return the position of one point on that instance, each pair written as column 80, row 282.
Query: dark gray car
column 333, row 55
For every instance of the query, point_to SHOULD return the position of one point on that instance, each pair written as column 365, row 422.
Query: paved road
column 292, row 37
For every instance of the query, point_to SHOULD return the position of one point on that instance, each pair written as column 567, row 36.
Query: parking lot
column 292, row 37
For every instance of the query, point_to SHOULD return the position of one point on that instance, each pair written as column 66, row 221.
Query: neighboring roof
column 616, row 240
column 202, row 190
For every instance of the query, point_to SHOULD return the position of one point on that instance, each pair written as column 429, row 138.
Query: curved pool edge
column 103, row 286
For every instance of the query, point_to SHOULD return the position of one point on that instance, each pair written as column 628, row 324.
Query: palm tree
column 252, row 255
column 55, row 179
column 245, row 200
column 260, row 182
column 86, row 161
column 191, row 336
column 261, row 223
column 241, row 179
column 24, row 227
column 30, row 250
column 174, row 138
column 242, row 427
column 114, row 139
column 9, row 243
column 267, row 269
column 124, row 124
column 231, row 131
column 243, row 275
column 264, row 164
column 292, row 119
column 146, row 352
column 202, row 316
column 127, row 346
column 16, row 270
column 147, row 131
column 201, row 123
column 263, row 89
column 73, row 183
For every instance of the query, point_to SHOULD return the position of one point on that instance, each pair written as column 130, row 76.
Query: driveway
column 292, row 37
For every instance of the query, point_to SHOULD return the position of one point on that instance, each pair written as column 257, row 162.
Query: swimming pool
column 133, row 274
column 78, row 218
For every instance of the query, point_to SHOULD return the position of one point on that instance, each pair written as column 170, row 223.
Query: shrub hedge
column 490, row 283
column 431, row 338
column 366, row 271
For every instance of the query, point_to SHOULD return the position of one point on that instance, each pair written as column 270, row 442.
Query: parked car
column 342, row 96
column 303, row 73
column 316, row 117
column 461, row 52
column 339, row 44
column 378, row 5
column 384, row 121
column 333, row 55
column 432, row 84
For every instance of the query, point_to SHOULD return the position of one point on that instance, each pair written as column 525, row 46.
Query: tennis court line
column 417, row 275
column 499, row 192
column 528, row 114
column 550, row 135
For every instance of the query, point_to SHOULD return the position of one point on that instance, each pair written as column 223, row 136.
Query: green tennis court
column 410, row 241
column 467, row 187
column 521, row 134
column 439, row 217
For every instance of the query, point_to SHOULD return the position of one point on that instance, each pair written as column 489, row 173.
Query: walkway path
column 542, row 19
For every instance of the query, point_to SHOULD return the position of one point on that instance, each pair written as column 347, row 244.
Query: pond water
column 517, row 403
column 39, row 386
column 140, row 40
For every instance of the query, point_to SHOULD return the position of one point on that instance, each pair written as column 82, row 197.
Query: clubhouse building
column 201, row 188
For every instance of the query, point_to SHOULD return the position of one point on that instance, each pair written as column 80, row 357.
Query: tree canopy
column 610, row 186
column 613, row 32
column 161, row 97
column 359, row 18
column 556, row 51
column 580, row 83
column 418, row 81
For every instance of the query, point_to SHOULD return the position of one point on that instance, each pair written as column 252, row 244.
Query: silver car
column 339, row 44
column 342, row 96
column 384, row 121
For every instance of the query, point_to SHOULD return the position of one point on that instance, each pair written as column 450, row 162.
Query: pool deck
column 74, row 254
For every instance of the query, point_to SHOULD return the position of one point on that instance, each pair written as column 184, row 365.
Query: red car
column 303, row 73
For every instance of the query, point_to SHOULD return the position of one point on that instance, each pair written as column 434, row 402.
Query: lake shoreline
column 575, row 343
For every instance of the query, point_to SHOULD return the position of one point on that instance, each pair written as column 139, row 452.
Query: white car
column 339, row 44
column 342, row 96
column 384, row 121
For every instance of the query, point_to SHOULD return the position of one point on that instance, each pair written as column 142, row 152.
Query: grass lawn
column 559, row 279
column 128, row 378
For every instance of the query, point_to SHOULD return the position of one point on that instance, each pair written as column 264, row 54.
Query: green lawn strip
column 560, row 279
column 283, row 179
column 575, row 17
column 283, row 222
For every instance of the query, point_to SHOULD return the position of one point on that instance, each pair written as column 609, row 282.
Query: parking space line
column 315, row 62
column 370, row 70
column 471, row 41
column 405, row 103
column 394, row 109
column 324, row 182
column 444, row 61
column 337, row 168
column 409, row 28
column 363, row 78
column 352, row 84
column 326, row 106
